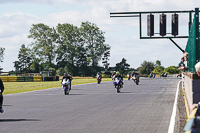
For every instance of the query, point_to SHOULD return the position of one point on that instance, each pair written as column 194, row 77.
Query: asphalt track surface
column 92, row 108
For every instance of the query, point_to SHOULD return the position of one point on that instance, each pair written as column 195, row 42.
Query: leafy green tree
column 94, row 42
column 122, row 66
column 60, row 71
column 69, row 43
column 158, row 70
column 82, row 62
column 105, row 61
column 35, row 66
column 172, row 70
column 45, row 42
column 17, row 67
column 158, row 63
column 24, row 58
column 146, row 67
column 1, row 56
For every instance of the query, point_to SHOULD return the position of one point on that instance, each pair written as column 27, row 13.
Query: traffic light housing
column 174, row 24
column 163, row 24
column 150, row 25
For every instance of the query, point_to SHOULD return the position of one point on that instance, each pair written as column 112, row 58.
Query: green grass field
column 18, row 87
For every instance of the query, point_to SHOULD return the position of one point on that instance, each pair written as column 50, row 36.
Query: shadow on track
column 7, row 105
column 17, row 120
column 127, row 92
column 76, row 94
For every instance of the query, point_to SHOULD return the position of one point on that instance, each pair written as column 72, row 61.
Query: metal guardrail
column 28, row 78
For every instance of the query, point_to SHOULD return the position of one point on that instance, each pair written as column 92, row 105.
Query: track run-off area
column 92, row 108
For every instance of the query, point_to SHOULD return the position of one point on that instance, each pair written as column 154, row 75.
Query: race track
column 92, row 108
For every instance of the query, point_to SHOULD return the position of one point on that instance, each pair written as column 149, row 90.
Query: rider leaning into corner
column 1, row 96
column 120, row 76
column 67, row 76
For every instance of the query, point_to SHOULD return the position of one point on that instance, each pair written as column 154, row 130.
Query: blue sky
column 122, row 34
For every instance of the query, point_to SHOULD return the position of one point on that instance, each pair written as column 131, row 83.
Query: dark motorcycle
column 1, row 100
column 152, row 75
column 179, row 75
column 118, row 84
column 163, row 75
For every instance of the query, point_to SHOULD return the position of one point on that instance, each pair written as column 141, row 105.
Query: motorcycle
column 1, row 98
column 66, row 86
column 135, row 78
column 128, row 76
column 163, row 75
column 98, row 79
column 118, row 84
column 152, row 75
column 179, row 75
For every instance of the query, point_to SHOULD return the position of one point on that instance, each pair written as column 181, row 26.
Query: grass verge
column 18, row 87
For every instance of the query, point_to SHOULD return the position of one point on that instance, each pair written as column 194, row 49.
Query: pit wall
column 191, row 86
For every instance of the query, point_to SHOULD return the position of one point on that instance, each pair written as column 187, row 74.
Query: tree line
column 1, row 56
column 77, row 50
column 64, row 48
column 147, row 67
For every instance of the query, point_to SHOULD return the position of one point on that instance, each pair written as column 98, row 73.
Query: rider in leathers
column 1, row 96
column 99, row 75
column 134, row 74
column 67, row 76
column 120, row 76
column 113, row 75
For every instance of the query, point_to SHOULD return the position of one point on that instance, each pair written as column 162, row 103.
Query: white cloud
column 121, row 33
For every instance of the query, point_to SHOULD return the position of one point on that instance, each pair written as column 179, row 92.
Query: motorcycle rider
column 1, row 96
column 67, row 76
column 120, row 76
column 113, row 75
column 99, row 75
column 134, row 74
column 151, row 75
column 128, row 75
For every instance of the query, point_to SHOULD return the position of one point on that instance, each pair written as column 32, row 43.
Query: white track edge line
column 173, row 117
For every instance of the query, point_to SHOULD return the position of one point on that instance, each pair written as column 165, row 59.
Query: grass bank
column 18, row 87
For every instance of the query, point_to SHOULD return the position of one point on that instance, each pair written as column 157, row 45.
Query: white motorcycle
column 66, row 86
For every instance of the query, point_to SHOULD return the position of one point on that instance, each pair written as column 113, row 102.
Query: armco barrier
column 25, row 79
column 37, row 78
column 21, row 78
column 50, row 78
column 9, row 78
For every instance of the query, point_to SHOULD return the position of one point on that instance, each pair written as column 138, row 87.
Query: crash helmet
column 117, row 72
column 65, row 74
